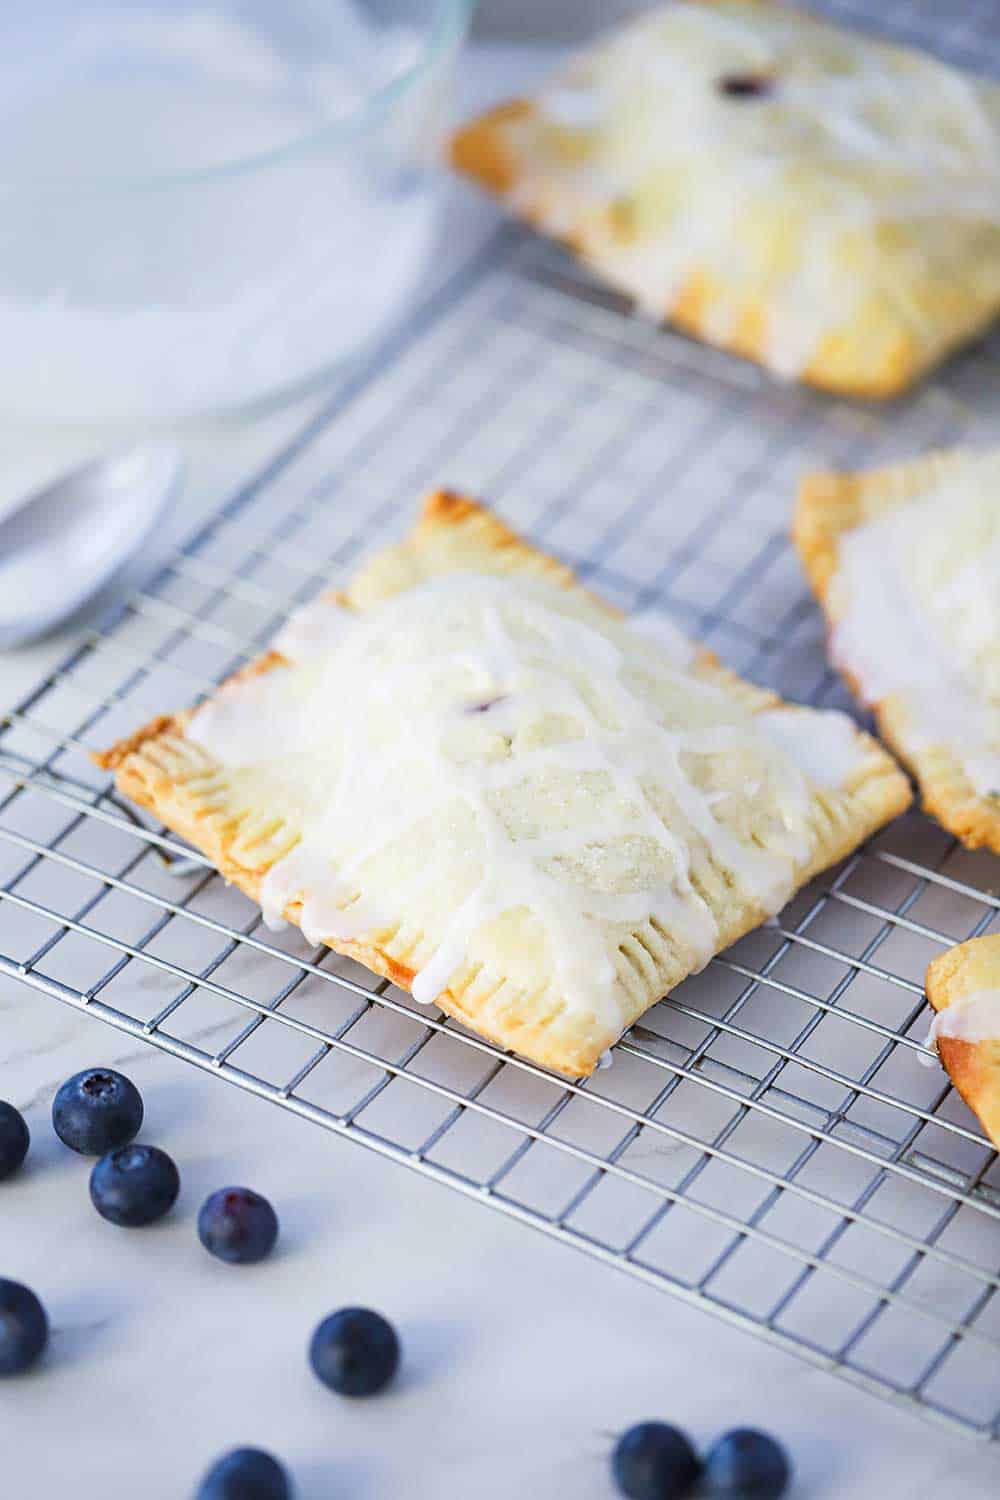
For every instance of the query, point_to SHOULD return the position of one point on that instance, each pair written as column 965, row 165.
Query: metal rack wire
column 766, row 1145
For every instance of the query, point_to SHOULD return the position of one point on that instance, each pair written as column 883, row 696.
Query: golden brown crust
column 974, row 1067
column 838, row 366
column 480, row 148
column 133, row 744
column 161, row 769
column 483, row 151
column 830, row 504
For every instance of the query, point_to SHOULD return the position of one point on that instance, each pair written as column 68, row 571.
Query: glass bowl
column 206, row 206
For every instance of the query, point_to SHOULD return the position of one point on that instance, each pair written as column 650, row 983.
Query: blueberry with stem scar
column 96, row 1110
column 237, row 1225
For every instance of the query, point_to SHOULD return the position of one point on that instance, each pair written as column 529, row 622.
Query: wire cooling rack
column 766, row 1144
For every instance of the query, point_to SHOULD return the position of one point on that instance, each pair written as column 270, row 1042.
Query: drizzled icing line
column 439, row 720
column 974, row 1017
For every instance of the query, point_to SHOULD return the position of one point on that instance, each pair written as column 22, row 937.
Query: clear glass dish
column 207, row 204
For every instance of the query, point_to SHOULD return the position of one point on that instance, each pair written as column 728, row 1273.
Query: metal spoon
column 63, row 544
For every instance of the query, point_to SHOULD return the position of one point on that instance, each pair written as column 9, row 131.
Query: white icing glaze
column 578, row 108
column 606, row 1060
column 251, row 720
column 825, row 744
column 850, row 135
column 499, row 747
column 929, row 1059
column 900, row 632
column 970, row 600
column 671, row 641
column 974, row 1017
column 312, row 630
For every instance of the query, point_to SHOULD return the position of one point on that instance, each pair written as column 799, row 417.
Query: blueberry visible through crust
column 485, row 705
column 96, row 1110
column 745, row 85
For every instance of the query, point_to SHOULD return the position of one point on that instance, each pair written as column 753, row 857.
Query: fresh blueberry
column 14, row 1139
column 134, row 1185
column 238, row 1225
column 746, row 1465
column 355, row 1352
column 653, row 1461
column 24, row 1328
column 245, row 1474
column 96, row 1110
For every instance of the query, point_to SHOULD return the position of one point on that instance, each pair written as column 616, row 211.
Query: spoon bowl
column 60, row 546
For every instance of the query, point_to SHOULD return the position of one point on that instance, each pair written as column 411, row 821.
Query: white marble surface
column 521, row 1357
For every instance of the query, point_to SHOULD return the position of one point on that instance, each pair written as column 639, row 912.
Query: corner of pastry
column 963, row 986
column 480, row 148
column 904, row 562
